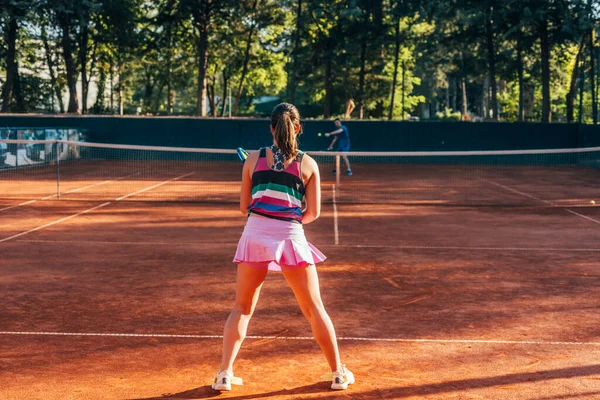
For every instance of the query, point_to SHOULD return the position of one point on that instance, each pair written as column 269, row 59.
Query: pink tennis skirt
column 279, row 243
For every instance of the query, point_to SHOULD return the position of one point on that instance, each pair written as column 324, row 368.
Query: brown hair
column 284, row 120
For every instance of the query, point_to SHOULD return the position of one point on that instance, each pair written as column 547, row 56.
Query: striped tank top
column 277, row 194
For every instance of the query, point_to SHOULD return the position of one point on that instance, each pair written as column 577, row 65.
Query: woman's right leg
column 248, row 285
column 305, row 285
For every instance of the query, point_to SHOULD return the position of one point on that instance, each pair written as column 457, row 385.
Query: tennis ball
column 592, row 202
column 320, row 134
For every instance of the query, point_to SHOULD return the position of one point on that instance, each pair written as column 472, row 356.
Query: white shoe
column 224, row 380
column 340, row 380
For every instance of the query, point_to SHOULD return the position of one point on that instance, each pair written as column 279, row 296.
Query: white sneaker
column 340, row 380
column 224, row 380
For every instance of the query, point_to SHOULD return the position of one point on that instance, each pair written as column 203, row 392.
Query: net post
column 337, row 171
column 57, row 155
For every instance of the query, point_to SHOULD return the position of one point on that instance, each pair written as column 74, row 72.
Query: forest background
column 508, row 60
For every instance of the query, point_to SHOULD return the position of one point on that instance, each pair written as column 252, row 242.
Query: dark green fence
column 365, row 135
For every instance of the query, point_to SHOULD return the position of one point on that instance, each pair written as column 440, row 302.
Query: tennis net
column 90, row 171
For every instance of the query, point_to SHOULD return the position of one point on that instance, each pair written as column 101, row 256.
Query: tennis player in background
column 274, row 181
column 341, row 137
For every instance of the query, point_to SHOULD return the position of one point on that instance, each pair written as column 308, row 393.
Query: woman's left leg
column 248, row 285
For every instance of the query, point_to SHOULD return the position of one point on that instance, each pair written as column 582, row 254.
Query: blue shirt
column 343, row 142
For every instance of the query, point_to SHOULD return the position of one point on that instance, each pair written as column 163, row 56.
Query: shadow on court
column 402, row 392
column 206, row 392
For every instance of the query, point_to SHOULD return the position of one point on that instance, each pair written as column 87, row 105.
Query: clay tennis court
column 117, row 298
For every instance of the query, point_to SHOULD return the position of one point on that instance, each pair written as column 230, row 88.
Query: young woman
column 275, row 180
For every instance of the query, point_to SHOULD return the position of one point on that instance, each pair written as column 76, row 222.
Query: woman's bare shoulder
column 310, row 163
column 250, row 162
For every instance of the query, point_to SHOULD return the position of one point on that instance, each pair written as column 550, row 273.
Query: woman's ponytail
column 284, row 120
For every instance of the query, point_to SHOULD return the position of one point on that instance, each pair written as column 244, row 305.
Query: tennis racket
column 242, row 154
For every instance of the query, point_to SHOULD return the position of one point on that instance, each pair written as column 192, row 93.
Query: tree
column 14, row 12
column 48, row 35
column 203, row 12
column 296, row 52
column 65, row 13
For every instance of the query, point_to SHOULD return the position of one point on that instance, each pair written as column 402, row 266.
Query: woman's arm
column 246, row 192
column 313, row 190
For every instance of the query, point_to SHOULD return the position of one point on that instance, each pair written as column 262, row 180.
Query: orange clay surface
column 428, row 303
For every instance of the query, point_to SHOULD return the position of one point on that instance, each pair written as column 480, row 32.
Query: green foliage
column 448, row 115
column 144, row 53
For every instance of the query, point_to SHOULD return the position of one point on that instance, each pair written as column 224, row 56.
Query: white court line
column 90, row 186
column 538, row 199
column 153, row 187
column 74, row 190
column 336, row 234
column 99, row 183
column 53, row 223
column 516, row 191
column 583, row 216
column 91, row 209
column 380, row 246
column 310, row 338
column 351, row 246
column 18, row 205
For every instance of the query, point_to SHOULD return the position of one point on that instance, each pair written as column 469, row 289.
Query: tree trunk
column 238, row 96
column 328, row 84
column 520, row 73
column 293, row 77
column 83, row 55
column 454, row 87
column 169, row 73
column 201, row 22
column 485, row 93
column 120, row 85
column 156, row 107
column 572, row 94
column 545, row 47
column 11, row 64
column 463, row 86
column 593, row 78
column 93, row 59
column 581, row 84
column 402, row 111
column 170, row 99
column 202, row 45
column 597, row 73
column 492, row 63
column 112, row 86
column 18, row 90
column 99, row 105
column 225, row 83
column 50, row 62
column 396, row 59
column 211, row 98
column 70, row 65
column 148, row 89
column 361, row 77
